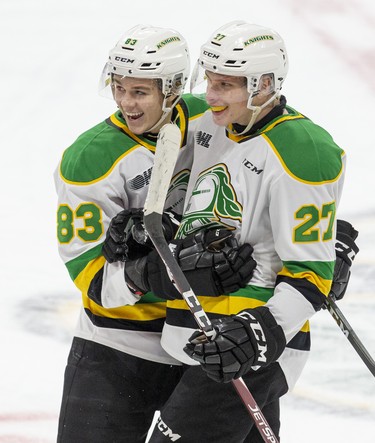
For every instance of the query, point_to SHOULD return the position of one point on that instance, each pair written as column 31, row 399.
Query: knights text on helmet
column 258, row 39
column 166, row 41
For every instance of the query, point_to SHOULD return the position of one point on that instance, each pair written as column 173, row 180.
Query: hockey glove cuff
column 346, row 250
column 127, row 239
column 212, row 261
column 245, row 341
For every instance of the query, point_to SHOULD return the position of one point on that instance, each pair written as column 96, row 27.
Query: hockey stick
column 349, row 333
column 167, row 148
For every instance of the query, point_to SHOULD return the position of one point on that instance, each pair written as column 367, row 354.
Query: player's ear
column 266, row 84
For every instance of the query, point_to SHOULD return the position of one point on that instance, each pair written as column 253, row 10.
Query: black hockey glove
column 211, row 260
column 346, row 250
column 249, row 339
column 127, row 239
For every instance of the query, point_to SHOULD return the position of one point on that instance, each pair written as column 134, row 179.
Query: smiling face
column 227, row 96
column 140, row 101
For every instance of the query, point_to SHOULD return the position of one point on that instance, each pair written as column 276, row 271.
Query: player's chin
column 220, row 118
column 138, row 127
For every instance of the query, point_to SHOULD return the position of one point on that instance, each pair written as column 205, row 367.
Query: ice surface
column 52, row 56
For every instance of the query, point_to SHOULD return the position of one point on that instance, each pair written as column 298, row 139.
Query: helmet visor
column 105, row 82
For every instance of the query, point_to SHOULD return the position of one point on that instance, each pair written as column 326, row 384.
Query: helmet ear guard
column 176, row 86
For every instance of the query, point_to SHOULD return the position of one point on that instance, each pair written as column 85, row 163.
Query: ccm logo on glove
column 243, row 343
column 258, row 335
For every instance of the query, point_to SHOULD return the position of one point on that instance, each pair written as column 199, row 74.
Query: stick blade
column 167, row 149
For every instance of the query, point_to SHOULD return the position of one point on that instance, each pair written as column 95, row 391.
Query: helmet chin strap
column 256, row 111
column 166, row 112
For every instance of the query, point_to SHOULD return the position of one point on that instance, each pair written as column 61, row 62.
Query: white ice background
column 52, row 53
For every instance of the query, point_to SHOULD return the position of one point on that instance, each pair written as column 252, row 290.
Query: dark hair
column 159, row 84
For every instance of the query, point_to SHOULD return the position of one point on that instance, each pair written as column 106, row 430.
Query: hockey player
column 273, row 177
column 117, row 373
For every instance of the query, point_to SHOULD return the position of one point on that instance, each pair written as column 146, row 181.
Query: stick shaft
column 349, row 333
column 166, row 155
column 153, row 226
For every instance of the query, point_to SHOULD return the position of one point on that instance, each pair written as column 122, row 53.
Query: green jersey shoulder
column 195, row 106
column 96, row 151
column 305, row 150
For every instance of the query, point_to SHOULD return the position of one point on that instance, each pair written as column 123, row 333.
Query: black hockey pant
column 201, row 410
column 110, row 396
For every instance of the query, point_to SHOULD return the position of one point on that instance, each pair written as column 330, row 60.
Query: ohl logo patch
column 140, row 180
column 203, row 139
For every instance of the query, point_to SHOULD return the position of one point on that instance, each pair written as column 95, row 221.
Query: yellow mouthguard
column 218, row 108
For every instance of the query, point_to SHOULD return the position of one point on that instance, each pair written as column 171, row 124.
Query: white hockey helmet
column 244, row 50
column 147, row 51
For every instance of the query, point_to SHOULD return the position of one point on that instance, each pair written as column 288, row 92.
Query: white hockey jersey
column 278, row 190
column 107, row 170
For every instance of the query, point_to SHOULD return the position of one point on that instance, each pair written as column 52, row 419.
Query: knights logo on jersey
column 212, row 204
column 177, row 191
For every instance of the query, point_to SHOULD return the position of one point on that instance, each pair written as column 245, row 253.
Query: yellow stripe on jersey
column 141, row 312
column 282, row 119
column 322, row 284
column 238, row 138
column 224, row 304
column 137, row 312
column 85, row 277
column 219, row 305
column 195, row 116
column 143, row 142
column 121, row 125
column 305, row 327
column 182, row 118
column 234, row 137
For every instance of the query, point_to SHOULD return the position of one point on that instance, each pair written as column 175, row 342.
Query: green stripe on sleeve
column 323, row 269
column 78, row 264
column 254, row 292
